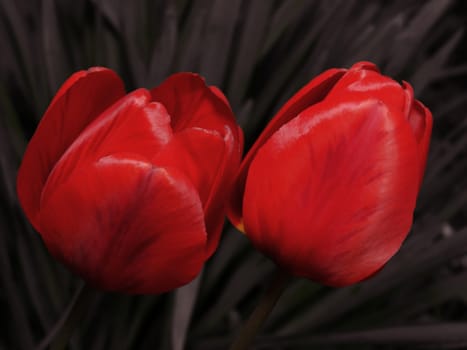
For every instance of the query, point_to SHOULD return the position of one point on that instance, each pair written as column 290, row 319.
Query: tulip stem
column 61, row 332
column 262, row 311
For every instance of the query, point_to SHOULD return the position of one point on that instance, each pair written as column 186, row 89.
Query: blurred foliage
column 259, row 52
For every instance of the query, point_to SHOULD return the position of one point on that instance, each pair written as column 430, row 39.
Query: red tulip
column 128, row 191
column 328, row 190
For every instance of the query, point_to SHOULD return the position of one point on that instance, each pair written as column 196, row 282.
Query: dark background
column 259, row 53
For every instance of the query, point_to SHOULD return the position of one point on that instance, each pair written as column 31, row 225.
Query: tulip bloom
column 328, row 190
column 128, row 190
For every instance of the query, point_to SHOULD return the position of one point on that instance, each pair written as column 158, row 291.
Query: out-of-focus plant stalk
column 262, row 311
column 60, row 334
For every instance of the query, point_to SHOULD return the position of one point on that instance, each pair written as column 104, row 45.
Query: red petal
column 363, row 81
column 366, row 65
column 423, row 140
column 70, row 82
column 83, row 97
column 209, row 160
column 421, row 122
column 309, row 95
column 220, row 94
column 221, row 188
column 331, row 195
column 124, row 225
column 191, row 103
column 132, row 125
column 198, row 153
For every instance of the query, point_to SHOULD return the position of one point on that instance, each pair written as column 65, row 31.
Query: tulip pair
column 130, row 191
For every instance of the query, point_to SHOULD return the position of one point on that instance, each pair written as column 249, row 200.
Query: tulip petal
column 365, row 65
column 132, row 125
column 424, row 135
column 125, row 225
column 220, row 191
column 216, row 91
column 207, row 159
column 82, row 98
column 198, row 153
column 363, row 81
column 342, row 181
column 191, row 103
column 421, row 122
column 310, row 94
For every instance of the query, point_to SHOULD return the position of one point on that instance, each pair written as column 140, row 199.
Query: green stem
column 263, row 309
column 60, row 334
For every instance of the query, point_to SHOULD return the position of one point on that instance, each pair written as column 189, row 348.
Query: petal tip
column 365, row 65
